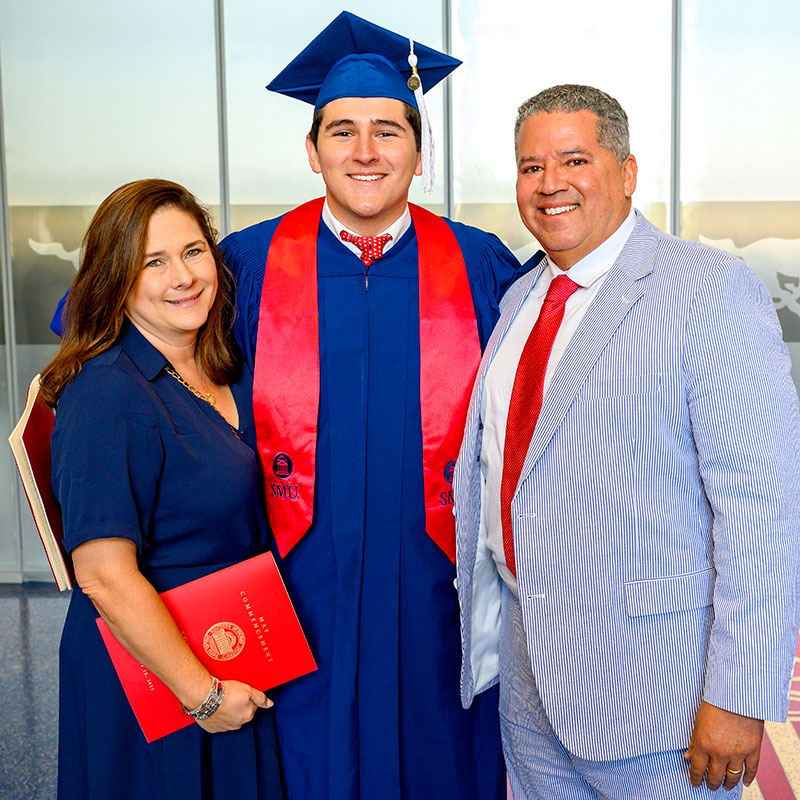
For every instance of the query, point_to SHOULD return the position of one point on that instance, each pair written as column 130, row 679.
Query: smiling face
column 571, row 192
column 177, row 283
column 367, row 155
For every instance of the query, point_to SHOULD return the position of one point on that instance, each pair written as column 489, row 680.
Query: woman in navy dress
column 155, row 469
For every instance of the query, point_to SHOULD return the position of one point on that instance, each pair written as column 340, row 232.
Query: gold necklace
column 208, row 397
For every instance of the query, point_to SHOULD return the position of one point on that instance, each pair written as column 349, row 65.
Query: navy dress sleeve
column 107, row 457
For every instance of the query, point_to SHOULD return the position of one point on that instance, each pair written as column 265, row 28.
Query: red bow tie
column 371, row 247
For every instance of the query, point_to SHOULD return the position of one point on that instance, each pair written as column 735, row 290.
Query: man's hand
column 728, row 745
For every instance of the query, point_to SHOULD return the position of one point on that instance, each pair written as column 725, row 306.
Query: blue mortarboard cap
column 355, row 58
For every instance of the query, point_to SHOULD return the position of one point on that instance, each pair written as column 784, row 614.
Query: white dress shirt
column 590, row 274
column 395, row 230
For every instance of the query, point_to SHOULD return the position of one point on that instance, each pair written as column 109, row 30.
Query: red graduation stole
column 286, row 388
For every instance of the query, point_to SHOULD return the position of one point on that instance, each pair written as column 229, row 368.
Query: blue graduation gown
column 381, row 717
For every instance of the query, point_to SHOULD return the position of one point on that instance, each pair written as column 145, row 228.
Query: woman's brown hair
column 112, row 257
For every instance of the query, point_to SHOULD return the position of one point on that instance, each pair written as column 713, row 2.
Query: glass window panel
column 95, row 94
column 9, row 543
column 739, row 90
column 511, row 51
column 269, row 170
column 9, row 535
column 87, row 108
column 739, row 86
column 99, row 93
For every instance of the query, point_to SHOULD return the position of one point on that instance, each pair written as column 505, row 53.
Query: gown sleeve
column 58, row 323
column 107, row 457
column 491, row 268
column 245, row 254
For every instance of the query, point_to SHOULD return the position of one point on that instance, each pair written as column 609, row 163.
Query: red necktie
column 371, row 247
column 526, row 401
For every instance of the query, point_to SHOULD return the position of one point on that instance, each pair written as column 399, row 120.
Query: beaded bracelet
column 213, row 701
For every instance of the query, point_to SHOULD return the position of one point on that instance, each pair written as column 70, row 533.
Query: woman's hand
column 237, row 709
column 108, row 573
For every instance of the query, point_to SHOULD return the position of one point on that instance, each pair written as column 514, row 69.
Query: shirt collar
column 148, row 360
column 596, row 264
column 395, row 230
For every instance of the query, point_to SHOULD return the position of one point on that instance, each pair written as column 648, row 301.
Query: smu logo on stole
column 446, row 497
column 282, row 467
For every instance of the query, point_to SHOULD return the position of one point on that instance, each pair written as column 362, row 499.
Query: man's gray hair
column 612, row 121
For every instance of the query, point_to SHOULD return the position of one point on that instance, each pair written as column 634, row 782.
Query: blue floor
column 31, row 618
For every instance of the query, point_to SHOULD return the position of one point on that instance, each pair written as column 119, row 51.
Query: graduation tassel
column 415, row 85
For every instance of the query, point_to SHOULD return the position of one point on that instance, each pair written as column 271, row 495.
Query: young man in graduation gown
column 364, row 320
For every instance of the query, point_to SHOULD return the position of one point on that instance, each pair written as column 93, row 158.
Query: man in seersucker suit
column 628, row 490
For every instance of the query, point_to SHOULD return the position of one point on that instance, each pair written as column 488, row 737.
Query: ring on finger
column 735, row 771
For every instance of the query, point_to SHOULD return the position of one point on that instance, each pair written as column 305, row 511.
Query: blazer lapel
column 466, row 480
column 511, row 303
column 624, row 286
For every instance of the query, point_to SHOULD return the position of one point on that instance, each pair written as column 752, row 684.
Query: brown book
column 238, row 621
column 30, row 443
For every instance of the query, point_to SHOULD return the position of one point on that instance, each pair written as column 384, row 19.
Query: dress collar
column 148, row 360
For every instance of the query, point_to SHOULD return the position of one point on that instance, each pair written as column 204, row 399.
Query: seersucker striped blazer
column 657, row 517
